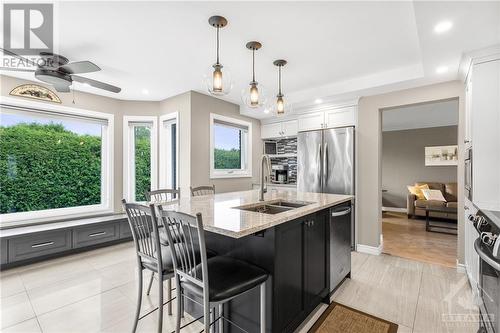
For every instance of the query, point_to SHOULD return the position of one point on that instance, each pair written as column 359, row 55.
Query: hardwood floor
column 407, row 238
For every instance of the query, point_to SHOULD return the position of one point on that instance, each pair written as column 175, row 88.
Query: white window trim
column 106, row 205
column 164, row 163
column 214, row 173
column 128, row 153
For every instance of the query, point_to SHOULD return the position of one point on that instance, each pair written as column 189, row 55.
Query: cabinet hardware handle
column 42, row 244
column 466, row 141
column 466, row 208
column 98, row 234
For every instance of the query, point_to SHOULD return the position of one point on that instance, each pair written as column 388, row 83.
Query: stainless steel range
column 487, row 246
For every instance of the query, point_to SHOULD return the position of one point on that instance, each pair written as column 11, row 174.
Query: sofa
column 416, row 207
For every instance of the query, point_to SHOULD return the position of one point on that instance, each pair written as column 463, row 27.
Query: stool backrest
column 144, row 227
column 189, row 250
column 202, row 190
column 163, row 195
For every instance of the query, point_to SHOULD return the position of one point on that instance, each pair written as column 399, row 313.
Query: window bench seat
column 27, row 244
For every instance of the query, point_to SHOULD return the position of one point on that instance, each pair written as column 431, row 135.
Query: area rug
column 339, row 318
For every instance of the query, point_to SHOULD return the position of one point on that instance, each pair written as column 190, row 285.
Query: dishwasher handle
column 342, row 212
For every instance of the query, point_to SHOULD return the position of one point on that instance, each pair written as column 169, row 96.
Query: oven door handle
column 483, row 255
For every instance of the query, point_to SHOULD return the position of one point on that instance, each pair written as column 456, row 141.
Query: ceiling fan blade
column 17, row 69
column 61, row 88
column 79, row 67
column 15, row 55
column 96, row 84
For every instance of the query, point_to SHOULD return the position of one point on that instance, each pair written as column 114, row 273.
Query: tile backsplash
column 287, row 146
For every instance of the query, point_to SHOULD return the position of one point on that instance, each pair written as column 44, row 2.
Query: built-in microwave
column 468, row 173
column 270, row 147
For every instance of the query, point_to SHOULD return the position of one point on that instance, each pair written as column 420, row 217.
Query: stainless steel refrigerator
column 326, row 163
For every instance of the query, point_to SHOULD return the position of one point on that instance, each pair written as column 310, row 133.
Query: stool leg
column 169, row 296
column 206, row 317
column 150, row 283
column 179, row 307
column 160, row 304
column 139, row 301
column 221, row 321
column 212, row 318
column 263, row 308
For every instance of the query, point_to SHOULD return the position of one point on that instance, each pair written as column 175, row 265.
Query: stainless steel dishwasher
column 340, row 243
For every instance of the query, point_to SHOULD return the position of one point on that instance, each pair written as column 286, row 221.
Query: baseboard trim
column 461, row 268
column 394, row 209
column 374, row 250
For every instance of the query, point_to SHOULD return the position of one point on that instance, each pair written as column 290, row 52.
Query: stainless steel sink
column 273, row 207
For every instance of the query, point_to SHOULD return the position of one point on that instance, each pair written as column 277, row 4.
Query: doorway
column 419, row 162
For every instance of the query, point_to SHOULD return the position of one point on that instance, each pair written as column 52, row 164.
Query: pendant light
column 254, row 96
column 218, row 83
column 280, row 107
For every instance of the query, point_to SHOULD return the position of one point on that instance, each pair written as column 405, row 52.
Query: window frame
column 164, row 163
column 107, row 164
column 246, row 149
column 129, row 158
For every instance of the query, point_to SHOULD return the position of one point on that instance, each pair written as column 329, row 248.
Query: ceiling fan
column 56, row 70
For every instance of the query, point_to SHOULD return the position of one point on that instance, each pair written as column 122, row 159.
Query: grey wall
column 403, row 161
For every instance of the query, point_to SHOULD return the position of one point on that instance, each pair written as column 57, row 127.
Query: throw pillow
column 436, row 195
column 417, row 190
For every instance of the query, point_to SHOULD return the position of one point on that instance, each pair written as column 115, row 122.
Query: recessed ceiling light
column 441, row 69
column 318, row 101
column 442, row 26
column 145, row 91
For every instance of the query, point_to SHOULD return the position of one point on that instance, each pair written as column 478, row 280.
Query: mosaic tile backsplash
column 287, row 146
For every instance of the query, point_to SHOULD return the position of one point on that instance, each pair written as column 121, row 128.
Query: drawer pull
column 42, row 244
column 98, row 234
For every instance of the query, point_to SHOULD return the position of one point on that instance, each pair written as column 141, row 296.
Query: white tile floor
column 95, row 292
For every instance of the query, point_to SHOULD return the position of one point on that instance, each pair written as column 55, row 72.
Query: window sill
column 230, row 175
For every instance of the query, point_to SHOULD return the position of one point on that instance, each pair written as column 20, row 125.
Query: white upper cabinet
column 485, row 134
column 468, row 106
column 278, row 130
column 290, row 128
column 341, row 117
column 311, row 121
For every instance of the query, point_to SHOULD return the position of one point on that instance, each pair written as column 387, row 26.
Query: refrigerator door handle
column 325, row 164
column 319, row 163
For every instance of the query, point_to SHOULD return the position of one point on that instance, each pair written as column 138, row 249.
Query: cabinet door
column 486, row 134
column 341, row 117
column 315, row 258
column 290, row 128
column 311, row 121
column 288, row 275
column 269, row 131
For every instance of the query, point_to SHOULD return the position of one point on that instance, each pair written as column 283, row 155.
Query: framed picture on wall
column 441, row 155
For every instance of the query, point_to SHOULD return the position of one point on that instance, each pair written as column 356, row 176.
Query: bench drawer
column 37, row 245
column 95, row 234
column 3, row 251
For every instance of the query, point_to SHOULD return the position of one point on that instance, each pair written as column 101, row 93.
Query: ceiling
column 435, row 114
column 160, row 49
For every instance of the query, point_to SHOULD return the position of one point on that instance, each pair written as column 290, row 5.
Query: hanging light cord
column 217, row 45
column 253, row 65
column 279, row 80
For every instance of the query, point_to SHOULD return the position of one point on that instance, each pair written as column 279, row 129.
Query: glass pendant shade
column 254, row 95
column 280, row 106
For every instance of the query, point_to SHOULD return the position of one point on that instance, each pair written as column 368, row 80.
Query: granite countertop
column 220, row 216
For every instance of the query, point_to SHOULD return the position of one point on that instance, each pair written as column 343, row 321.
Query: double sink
column 274, row 206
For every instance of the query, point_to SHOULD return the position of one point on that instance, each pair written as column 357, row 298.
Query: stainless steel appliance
column 325, row 162
column 340, row 244
column 468, row 173
column 280, row 173
column 487, row 246
column 270, row 147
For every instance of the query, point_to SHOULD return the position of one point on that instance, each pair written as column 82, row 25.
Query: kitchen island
column 288, row 237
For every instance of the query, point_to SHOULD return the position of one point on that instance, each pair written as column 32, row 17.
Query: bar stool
column 202, row 190
column 147, row 242
column 215, row 280
column 161, row 195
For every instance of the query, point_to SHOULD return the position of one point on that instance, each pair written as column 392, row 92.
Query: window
column 54, row 161
column 139, row 156
column 169, row 154
column 230, row 147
